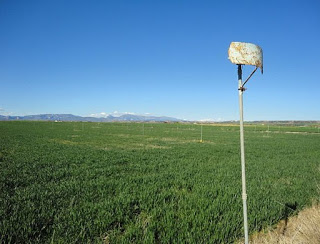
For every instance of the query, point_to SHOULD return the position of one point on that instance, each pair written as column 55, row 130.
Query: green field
column 149, row 183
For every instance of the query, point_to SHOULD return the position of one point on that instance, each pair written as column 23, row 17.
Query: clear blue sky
column 161, row 57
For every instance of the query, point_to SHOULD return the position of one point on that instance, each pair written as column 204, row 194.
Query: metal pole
column 243, row 167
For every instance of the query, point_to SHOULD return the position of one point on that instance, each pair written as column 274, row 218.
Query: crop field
column 82, row 182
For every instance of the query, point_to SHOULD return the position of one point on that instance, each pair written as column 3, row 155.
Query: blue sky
column 159, row 57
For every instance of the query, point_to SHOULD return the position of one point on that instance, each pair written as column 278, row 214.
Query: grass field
column 149, row 183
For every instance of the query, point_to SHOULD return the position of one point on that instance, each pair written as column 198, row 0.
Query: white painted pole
column 243, row 167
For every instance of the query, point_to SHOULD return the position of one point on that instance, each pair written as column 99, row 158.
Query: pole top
column 246, row 53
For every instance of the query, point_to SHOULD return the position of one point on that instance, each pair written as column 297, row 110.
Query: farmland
column 150, row 183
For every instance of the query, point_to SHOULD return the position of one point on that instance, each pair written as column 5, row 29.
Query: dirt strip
column 301, row 229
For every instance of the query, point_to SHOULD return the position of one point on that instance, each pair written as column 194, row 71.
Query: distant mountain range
column 109, row 118
column 128, row 117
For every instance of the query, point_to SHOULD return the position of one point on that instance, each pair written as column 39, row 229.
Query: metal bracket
column 242, row 88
